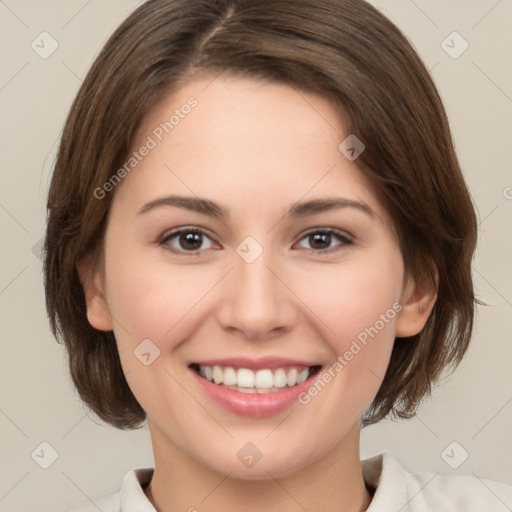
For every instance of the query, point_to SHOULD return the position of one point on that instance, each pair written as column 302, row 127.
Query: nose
column 256, row 301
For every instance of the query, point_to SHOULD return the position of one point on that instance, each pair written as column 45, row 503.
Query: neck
column 333, row 483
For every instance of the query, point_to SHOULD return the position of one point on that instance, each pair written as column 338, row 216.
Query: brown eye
column 321, row 240
column 186, row 240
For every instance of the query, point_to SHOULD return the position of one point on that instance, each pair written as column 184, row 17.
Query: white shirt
column 396, row 490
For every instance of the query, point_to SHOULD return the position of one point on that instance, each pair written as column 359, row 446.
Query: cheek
column 354, row 298
column 357, row 305
column 153, row 301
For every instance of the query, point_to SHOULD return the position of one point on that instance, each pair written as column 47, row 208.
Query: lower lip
column 256, row 405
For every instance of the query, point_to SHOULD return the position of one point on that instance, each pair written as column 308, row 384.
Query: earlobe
column 98, row 313
column 417, row 304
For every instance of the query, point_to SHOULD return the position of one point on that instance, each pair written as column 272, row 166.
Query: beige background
column 37, row 402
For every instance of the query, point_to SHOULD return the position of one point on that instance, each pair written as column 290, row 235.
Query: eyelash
column 346, row 240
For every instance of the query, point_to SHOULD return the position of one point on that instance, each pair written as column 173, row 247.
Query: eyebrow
column 296, row 210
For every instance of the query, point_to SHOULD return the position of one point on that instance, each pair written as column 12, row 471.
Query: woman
column 259, row 240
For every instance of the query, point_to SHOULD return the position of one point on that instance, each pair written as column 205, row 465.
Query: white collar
column 382, row 472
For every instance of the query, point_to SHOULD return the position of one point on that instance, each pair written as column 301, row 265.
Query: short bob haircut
column 344, row 50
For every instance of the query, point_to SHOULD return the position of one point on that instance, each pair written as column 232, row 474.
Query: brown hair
column 344, row 50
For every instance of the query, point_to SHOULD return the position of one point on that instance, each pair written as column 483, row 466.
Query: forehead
column 242, row 112
column 246, row 140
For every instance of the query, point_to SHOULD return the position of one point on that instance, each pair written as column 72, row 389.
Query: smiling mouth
column 265, row 380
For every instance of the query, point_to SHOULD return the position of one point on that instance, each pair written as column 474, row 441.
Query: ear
column 98, row 312
column 417, row 304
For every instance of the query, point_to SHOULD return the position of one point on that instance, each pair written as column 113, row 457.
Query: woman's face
column 265, row 282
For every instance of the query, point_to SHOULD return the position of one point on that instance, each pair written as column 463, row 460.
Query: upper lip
column 270, row 362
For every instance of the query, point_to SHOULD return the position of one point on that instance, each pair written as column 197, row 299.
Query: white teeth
column 246, row 390
column 291, row 380
column 218, row 374
column 254, row 390
column 248, row 381
column 303, row 375
column 264, row 379
column 280, row 378
column 229, row 377
column 245, row 378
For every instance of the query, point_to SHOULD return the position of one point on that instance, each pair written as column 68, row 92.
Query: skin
column 254, row 148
